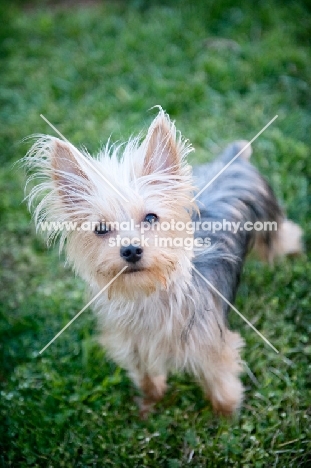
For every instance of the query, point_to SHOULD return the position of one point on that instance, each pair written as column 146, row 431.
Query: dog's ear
column 67, row 173
column 162, row 147
column 63, row 162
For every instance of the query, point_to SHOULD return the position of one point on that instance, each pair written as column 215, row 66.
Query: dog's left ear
column 163, row 150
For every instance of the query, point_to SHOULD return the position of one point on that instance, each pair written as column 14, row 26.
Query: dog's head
column 114, row 212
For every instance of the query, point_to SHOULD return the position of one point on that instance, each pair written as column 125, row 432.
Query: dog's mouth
column 131, row 270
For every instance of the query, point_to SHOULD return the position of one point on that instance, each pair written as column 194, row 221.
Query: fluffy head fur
column 147, row 178
column 159, row 315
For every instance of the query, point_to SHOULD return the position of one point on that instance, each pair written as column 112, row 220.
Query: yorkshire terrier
column 167, row 309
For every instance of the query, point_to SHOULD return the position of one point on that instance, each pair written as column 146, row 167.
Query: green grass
column 95, row 71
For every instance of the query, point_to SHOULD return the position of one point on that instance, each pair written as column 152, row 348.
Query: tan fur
column 286, row 241
column 247, row 152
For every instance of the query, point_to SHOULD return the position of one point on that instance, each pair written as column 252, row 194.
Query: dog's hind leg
column 220, row 375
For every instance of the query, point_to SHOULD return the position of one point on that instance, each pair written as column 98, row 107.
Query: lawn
column 222, row 70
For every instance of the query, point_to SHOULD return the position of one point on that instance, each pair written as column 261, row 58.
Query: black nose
column 131, row 253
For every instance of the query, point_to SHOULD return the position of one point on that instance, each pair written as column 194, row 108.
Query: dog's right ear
column 63, row 185
column 64, row 163
column 66, row 171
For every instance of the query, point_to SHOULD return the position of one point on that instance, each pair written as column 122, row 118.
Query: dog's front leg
column 152, row 386
column 153, row 389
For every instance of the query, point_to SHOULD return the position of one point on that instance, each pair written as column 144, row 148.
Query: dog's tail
column 288, row 239
column 233, row 189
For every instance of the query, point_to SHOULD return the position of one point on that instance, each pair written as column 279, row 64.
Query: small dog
column 162, row 307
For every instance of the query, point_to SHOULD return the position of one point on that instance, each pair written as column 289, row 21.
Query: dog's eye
column 151, row 218
column 101, row 229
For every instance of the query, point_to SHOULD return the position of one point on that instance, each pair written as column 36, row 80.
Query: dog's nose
column 131, row 253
